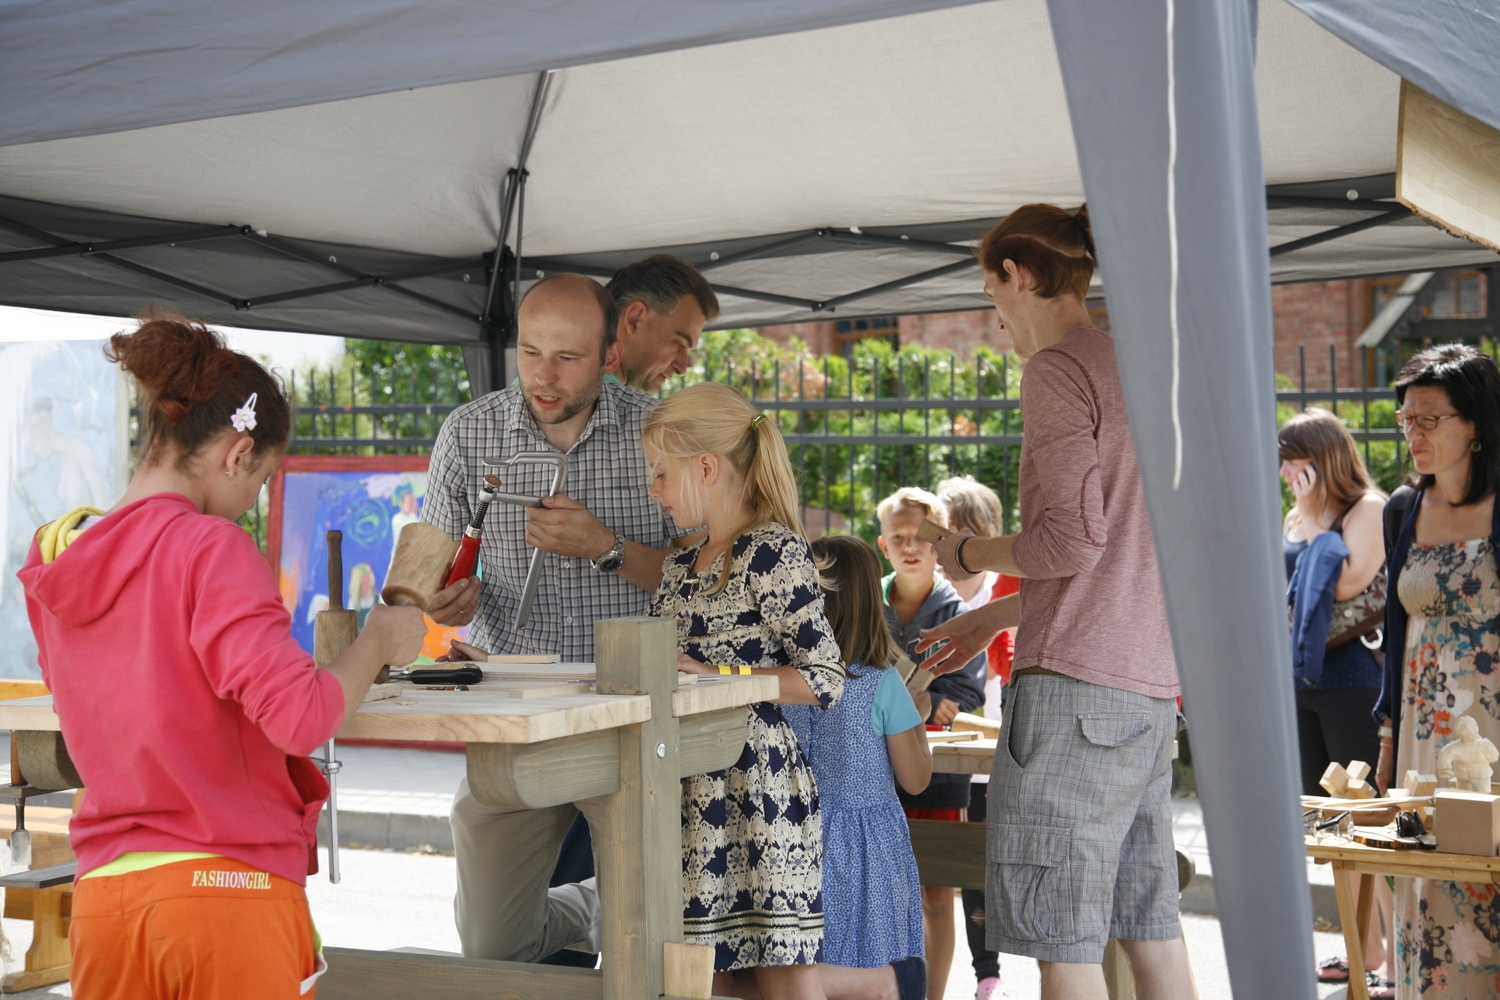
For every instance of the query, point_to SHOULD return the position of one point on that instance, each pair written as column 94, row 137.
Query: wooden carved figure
column 1466, row 762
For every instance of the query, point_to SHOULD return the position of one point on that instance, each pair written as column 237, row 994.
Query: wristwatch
column 614, row 558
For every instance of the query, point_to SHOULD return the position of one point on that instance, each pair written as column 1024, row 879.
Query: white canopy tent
column 346, row 168
column 746, row 156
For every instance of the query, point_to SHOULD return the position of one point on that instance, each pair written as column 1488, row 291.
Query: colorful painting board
column 369, row 499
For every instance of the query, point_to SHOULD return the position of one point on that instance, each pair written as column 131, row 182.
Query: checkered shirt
column 607, row 473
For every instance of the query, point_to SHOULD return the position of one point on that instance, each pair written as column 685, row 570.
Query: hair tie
column 244, row 418
column 755, row 420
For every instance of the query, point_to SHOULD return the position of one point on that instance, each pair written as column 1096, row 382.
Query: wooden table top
column 1411, row 864
column 475, row 716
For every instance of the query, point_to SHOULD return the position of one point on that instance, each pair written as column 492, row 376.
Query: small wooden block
column 525, row 658
column 380, row 692
column 1358, row 788
column 1468, row 822
column 686, row 678
column 1335, row 779
column 1426, row 785
column 687, row 970
column 932, row 532
column 1358, row 770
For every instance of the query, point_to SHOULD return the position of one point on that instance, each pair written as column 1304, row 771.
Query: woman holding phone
column 1334, row 551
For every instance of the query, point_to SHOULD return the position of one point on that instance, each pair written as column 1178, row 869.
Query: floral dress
column 1448, row 933
column 752, row 845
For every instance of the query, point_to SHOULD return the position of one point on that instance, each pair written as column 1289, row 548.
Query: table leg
column 638, row 837
column 1353, row 919
column 48, row 960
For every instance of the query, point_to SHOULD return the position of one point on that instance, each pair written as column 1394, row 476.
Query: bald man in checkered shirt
column 604, row 539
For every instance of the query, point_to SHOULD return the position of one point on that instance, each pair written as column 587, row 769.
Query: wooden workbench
column 1348, row 858
column 628, row 745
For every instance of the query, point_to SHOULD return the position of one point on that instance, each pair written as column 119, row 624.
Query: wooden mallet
column 423, row 554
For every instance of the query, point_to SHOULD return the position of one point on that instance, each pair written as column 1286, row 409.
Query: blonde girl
column 746, row 600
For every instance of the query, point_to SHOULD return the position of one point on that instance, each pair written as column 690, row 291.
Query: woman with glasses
column 1332, row 543
column 1443, row 643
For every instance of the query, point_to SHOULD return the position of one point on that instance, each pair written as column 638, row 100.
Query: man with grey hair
column 663, row 304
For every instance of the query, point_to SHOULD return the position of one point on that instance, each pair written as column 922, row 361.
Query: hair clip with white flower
column 243, row 419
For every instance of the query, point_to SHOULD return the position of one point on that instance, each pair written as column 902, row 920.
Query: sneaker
column 991, row 989
column 911, row 978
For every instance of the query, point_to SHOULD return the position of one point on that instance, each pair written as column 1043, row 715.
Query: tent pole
column 1181, row 229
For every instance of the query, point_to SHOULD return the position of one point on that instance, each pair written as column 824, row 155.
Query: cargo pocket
column 1114, row 729
column 1030, row 884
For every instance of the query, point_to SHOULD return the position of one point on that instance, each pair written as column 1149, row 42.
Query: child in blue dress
column 859, row 749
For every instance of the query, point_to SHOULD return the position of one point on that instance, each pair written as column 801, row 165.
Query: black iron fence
column 857, row 427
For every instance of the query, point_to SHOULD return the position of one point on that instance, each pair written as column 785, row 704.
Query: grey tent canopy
column 835, row 172
column 344, row 166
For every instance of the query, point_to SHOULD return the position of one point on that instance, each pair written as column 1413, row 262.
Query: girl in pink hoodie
column 185, row 703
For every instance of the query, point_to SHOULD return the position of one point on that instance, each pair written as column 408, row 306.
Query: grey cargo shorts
column 1079, row 845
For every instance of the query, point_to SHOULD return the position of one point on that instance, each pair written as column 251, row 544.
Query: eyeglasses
column 1425, row 421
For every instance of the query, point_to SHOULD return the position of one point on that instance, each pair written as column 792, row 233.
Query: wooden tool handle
column 932, row 532
column 335, row 570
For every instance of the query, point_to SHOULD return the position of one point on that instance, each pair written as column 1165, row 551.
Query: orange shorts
column 204, row 929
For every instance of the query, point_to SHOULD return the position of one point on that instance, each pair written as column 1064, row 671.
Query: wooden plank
column 1432, row 863
column 355, row 974
column 29, row 714
column 550, row 670
column 1448, row 168
column 41, row 878
column 951, row 736
column 711, row 741
column 473, row 717
column 537, row 775
column 987, row 728
column 638, row 839
column 974, row 757
column 948, row 853
column 525, row 658
column 536, row 688
column 10, row 689
column 713, row 692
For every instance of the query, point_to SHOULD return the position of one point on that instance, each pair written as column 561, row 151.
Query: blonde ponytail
column 710, row 418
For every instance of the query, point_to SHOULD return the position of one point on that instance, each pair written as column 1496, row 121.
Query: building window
column 1456, row 296
column 848, row 332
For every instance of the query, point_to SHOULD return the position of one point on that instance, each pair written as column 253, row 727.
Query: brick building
column 1308, row 318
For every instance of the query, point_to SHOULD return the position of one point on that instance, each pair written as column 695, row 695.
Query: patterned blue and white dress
column 872, row 896
column 752, row 847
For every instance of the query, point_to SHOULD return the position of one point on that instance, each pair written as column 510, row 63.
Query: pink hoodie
column 186, row 705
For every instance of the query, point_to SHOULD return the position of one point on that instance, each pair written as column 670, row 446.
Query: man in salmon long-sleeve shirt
column 1080, row 823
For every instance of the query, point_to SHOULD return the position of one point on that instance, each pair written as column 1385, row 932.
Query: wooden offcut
column 688, row 970
column 931, row 532
column 1448, row 167
column 964, row 722
column 420, row 564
